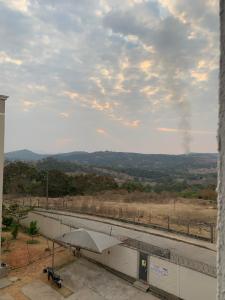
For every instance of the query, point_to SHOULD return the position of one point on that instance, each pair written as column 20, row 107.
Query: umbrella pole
column 53, row 254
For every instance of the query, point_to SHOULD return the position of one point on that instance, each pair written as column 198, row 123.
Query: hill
column 194, row 168
column 23, row 155
column 121, row 160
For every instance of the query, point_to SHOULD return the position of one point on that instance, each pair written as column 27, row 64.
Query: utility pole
column 47, row 190
column 221, row 164
column 2, row 134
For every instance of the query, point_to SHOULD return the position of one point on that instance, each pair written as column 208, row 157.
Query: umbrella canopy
column 89, row 240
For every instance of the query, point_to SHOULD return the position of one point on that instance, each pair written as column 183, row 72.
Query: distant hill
column 122, row 159
column 23, row 155
column 138, row 160
column 194, row 168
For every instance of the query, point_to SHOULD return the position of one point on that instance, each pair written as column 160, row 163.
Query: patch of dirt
column 28, row 261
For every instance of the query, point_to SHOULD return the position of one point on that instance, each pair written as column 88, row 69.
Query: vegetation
column 33, row 229
column 7, row 221
column 15, row 230
column 14, row 213
column 26, row 179
column 3, row 239
column 166, row 173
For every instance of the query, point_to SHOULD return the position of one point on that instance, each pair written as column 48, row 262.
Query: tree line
column 34, row 179
column 26, row 179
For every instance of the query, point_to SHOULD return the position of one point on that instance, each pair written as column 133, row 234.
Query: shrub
column 33, row 229
column 7, row 221
column 15, row 230
column 3, row 239
column 32, row 242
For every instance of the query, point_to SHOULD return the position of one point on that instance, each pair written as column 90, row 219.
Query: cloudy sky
column 131, row 75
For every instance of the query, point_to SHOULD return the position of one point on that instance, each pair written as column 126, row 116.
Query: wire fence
column 171, row 223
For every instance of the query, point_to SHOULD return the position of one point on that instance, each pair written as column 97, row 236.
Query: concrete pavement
column 88, row 281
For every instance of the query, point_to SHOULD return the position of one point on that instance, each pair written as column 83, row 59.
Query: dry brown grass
column 182, row 214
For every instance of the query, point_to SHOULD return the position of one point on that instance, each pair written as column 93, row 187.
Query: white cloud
column 174, row 130
column 20, row 5
column 122, row 62
column 101, row 131
column 5, row 58
column 27, row 105
column 64, row 115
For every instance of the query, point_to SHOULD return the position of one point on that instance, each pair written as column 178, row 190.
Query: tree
column 15, row 230
column 17, row 212
column 33, row 229
column 19, row 178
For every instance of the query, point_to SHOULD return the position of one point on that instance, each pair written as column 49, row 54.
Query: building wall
column 119, row 258
column 179, row 281
column 164, row 275
column 195, row 285
column 2, row 132
column 221, row 163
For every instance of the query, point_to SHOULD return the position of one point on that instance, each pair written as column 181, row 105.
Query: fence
column 205, row 231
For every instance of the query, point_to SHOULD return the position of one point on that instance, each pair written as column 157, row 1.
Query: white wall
column 162, row 274
column 182, row 282
column 196, row 286
column 120, row 258
column 2, row 132
column 47, row 226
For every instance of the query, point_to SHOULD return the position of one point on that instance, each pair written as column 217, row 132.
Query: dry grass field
column 191, row 216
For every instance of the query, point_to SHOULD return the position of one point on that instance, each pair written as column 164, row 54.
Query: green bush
column 33, row 229
column 3, row 239
column 32, row 242
column 7, row 221
column 14, row 230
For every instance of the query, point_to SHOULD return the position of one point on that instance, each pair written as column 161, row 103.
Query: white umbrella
column 88, row 239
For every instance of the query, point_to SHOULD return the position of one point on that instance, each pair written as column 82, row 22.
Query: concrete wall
column 221, row 164
column 195, row 285
column 179, row 281
column 164, row 275
column 2, row 132
column 120, row 258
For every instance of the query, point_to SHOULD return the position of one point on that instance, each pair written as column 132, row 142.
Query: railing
column 205, row 231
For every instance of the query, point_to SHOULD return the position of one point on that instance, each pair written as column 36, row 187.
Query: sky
column 90, row 75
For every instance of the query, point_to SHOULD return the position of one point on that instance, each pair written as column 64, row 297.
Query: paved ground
column 6, row 297
column 87, row 281
column 184, row 246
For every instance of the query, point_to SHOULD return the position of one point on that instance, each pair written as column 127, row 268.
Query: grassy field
column 191, row 216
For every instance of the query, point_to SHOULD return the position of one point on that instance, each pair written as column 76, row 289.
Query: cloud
column 36, row 87
column 174, row 130
column 27, row 105
column 199, row 76
column 101, row 131
column 4, row 58
column 125, row 63
column 64, row 115
column 105, row 106
column 134, row 124
column 20, row 5
column 145, row 65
